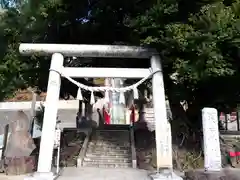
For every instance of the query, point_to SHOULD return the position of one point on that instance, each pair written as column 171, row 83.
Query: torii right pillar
column 162, row 126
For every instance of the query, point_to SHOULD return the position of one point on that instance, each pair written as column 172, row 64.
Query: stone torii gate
column 58, row 51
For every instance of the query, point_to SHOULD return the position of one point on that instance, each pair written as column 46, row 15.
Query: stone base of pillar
column 225, row 173
column 41, row 176
column 165, row 175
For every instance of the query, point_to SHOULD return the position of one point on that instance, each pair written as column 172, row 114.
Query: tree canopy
column 198, row 41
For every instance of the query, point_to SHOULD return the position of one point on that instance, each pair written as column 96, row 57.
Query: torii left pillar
column 49, row 121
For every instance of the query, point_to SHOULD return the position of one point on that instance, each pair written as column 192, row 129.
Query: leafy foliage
column 200, row 50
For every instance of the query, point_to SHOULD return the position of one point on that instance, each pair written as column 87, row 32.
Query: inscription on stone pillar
column 212, row 154
column 165, row 147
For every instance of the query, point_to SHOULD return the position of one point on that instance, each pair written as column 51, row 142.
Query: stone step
column 106, row 165
column 119, row 155
column 109, row 147
column 149, row 116
column 110, row 144
column 118, row 137
column 121, row 136
column 116, row 127
column 98, row 148
column 122, row 143
column 107, row 160
column 107, row 151
column 107, row 141
column 113, row 146
column 149, row 110
column 113, row 132
column 100, row 144
column 108, row 155
column 112, row 140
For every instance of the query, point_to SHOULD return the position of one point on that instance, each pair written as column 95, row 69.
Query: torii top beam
column 109, row 51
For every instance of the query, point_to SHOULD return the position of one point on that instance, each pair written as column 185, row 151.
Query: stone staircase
column 109, row 147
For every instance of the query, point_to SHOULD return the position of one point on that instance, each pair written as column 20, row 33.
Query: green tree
column 199, row 49
column 197, row 40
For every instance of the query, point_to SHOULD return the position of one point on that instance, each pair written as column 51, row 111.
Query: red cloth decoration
column 234, row 154
column 107, row 116
column 132, row 116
